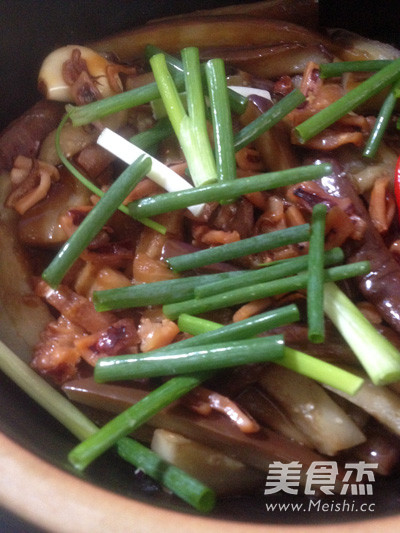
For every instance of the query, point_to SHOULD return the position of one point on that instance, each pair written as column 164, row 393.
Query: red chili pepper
column 397, row 185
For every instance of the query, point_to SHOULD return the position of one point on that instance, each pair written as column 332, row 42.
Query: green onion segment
column 368, row 88
column 179, row 482
column 116, row 367
column 94, row 221
column 197, row 359
column 251, row 245
column 190, row 128
column 288, row 267
column 295, row 360
column 315, row 283
column 132, row 418
column 379, row 358
column 166, row 202
column 197, row 306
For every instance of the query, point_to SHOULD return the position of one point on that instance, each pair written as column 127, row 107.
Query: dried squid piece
column 31, row 180
column 204, row 401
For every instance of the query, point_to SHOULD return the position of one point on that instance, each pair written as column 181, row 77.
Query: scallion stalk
column 320, row 371
column 295, row 360
column 132, row 418
column 195, row 325
column 94, row 221
column 350, row 101
column 200, row 358
column 268, row 119
column 251, row 245
column 85, row 114
column 191, row 127
column 221, row 119
column 65, row 412
column 207, row 331
column 289, row 267
column 118, row 366
column 261, row 290
column 173, row 478
column 45, row 395
column 154, row 135
column 380, row 359
column 238, row 103
column 217, row 192
column 337, row 68
column 173, row 389
column 382, row 120
column 155, row 293
column 315, row 283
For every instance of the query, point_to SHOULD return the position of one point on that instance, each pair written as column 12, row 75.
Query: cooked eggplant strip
column 216, row 470
column 304, row 12
column 310, row 408
column 270, row 62
column 229, row 30
column 380, row 402
column 21, row 311
column 267, row 412
column 380, row 286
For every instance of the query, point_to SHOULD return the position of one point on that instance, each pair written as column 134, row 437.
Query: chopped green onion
column 380, row 359
column 132, row 418
column 119, row 366
column 288, row 267
column 155, row 293
column 299, row 362
column 331, row 70
column 159, row 173
column 179, row 482
column 171, row 390
column 368, row 88
column 65, row 412
column 315, row 283
column 221, row 119
column 261, row 290
column 195, row 325
column 164, row 203
column 191, row 127
column 94, row 221
column 91, row 186
column 196, row 359
column 238, row 102
column 205, row 330
column 151, row 137
column 44, row 394
column 232, row 250
column 321, row 371
column 85, row 114
column 268, row 119
column 381, row 123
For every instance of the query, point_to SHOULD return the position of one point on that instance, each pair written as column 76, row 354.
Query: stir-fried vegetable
column 245, row 198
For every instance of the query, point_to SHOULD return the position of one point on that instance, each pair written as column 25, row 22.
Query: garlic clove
column 51, row 82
